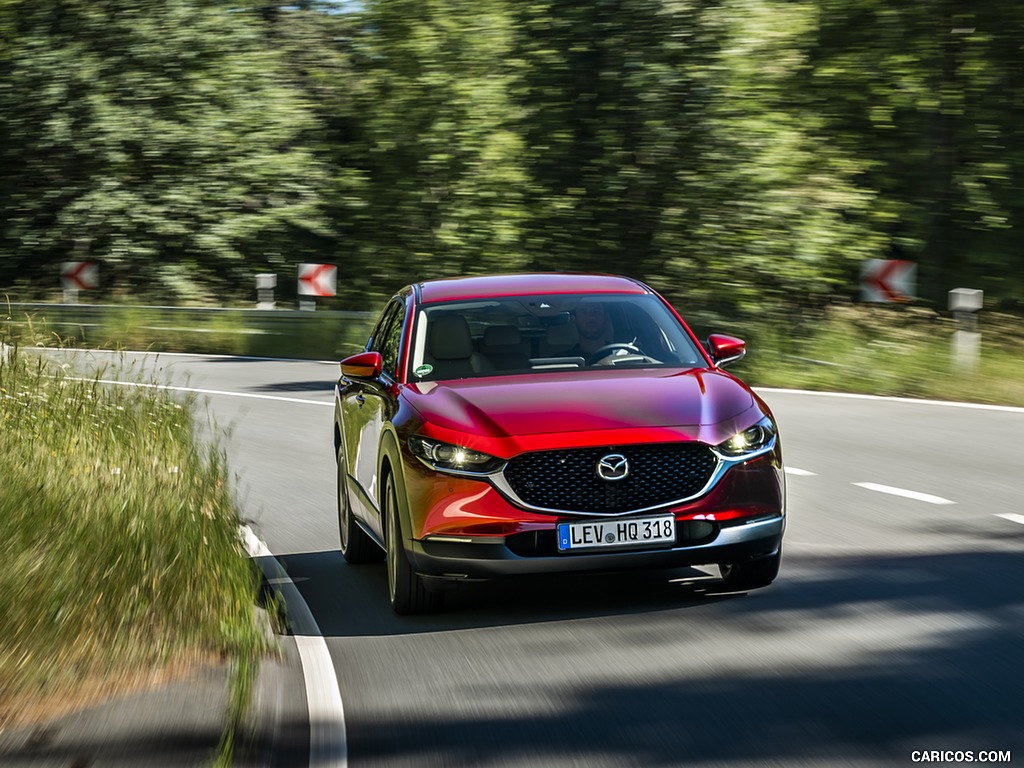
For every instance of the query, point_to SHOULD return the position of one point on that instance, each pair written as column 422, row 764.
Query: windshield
column 537, row 334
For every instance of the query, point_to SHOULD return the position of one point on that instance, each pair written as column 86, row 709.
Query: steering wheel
column 602, row 352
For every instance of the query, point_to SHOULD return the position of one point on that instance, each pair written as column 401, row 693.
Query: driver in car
column 592, row 327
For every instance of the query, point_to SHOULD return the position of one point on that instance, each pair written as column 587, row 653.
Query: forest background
column 739, row 155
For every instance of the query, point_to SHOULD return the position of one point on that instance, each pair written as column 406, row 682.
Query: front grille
column 567, row 480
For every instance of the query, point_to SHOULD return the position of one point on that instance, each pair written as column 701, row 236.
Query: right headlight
column 750, row 441
column 453, row 458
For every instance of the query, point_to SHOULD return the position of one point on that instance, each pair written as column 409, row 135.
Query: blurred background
column 744, row 157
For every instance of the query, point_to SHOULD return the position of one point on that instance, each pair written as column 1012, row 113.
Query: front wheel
column 406, row 589
column 356, row 546
column 752, row 573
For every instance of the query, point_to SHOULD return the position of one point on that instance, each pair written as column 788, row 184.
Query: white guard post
column 965, row 303
column 265, row 284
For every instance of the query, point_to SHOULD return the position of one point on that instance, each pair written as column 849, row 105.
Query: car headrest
column 449, row 338
column 502, row 336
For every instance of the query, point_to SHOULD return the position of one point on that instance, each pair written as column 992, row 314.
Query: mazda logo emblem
column 612, row 467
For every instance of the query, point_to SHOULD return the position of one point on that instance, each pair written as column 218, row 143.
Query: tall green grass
column 287, row 334
column 899, row 351
column 118, row 536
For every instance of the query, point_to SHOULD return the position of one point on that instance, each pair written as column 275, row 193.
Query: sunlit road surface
column 897, row 624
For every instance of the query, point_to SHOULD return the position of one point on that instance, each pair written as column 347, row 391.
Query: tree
column 927, row 97
column 441, row 152
column 155, row 138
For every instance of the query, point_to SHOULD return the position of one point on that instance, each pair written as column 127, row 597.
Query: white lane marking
column 800, row 472
column 328, row 740
column 225, row 393
column 197, row 355
column 1013, row 518
column 888, row 399
column 905, row 493
column 775, row 390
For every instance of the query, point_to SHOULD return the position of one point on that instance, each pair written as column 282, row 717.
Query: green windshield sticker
column 423, row 370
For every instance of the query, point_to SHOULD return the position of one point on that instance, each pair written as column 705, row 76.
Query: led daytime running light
column 751, row 440
column 452, row 457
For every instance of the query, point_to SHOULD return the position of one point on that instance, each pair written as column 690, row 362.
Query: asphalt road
column 897, row 624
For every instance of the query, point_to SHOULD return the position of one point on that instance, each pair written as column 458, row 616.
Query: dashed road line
column 800, row 472
column 1013, row 518
column 904, row 493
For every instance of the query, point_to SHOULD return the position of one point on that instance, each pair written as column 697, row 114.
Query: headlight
column 453, row 458
column 755, row 439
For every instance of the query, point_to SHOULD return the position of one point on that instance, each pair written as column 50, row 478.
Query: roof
column 537, row 284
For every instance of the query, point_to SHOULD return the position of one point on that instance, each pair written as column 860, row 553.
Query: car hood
column 505, row 406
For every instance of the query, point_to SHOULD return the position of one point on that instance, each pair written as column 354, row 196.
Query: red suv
column 542, row 423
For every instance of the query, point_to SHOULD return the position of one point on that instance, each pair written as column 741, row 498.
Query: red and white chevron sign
column 318, row 279
column 79, row 275
column 888, row 280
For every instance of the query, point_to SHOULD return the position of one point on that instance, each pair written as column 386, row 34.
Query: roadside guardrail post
column 965, row 303
column 265, row 284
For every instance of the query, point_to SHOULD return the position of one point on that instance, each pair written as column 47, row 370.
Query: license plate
column 636, row 532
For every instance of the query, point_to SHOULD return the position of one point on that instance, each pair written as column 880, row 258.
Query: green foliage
column 437, row 141
column 771, row 213
column 148, row 136
column 926, row 96
column 903, row 351
column 738, row 154
column 119, row 532
column 612, row 123
column 286, row 334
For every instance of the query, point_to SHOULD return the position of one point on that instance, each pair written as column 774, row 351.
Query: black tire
column 751, row 574
column 356, row 546
column 408, row 594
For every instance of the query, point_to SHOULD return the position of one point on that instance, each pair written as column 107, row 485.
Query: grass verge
column 900, row 351
column 119, row 538
column 283, row 333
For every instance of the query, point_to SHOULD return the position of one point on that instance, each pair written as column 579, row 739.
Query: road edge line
column 328, row 742
column 892, row 399
column 197, row 390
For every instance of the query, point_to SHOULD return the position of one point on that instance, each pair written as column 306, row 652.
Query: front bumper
column 464, row 529
column 470, row 560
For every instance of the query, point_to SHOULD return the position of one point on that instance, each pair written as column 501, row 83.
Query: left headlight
column 756, row 439
column 453, row 458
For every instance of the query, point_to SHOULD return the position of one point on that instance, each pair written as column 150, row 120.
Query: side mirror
column 726, row 349
column 365, row 365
